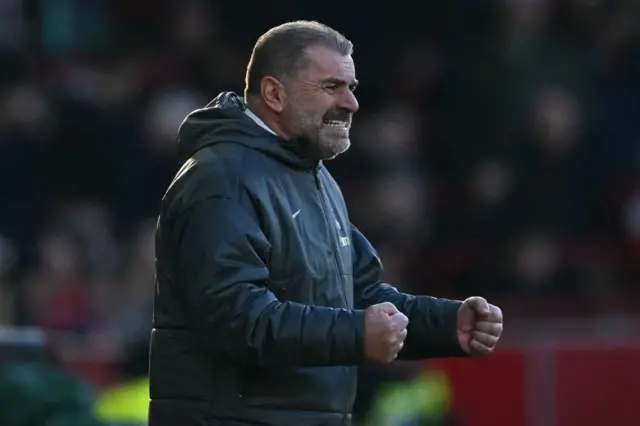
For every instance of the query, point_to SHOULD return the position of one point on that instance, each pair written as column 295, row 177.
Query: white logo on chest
column 344, row 241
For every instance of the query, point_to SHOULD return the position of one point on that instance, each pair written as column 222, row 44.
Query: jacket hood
column 224, row 120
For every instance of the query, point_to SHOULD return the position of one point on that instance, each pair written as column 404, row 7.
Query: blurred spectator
column 404, row 394
column 127, row 402
column 40, row 394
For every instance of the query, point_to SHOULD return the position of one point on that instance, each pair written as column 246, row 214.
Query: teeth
column 336, row 123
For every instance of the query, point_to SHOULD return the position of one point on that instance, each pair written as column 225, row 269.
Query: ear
column 273, row 93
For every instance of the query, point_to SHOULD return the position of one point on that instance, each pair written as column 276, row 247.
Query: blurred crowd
column 496, row 151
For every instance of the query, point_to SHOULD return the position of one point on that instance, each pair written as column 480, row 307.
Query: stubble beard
column 314, row 140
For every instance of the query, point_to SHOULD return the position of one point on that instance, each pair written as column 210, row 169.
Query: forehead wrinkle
column 325, row 63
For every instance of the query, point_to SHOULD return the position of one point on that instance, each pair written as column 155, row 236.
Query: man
column 267, row 297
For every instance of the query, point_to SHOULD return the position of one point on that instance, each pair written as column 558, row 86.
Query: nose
column 349, row 102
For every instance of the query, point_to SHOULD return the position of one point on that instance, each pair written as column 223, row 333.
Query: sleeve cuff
column 450, row 343
column 358, row 317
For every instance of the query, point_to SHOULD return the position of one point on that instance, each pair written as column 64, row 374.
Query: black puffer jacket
column 261, row 285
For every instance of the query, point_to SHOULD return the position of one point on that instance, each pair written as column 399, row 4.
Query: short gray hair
column 280, row 52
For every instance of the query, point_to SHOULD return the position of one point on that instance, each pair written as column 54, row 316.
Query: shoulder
column 213, row 172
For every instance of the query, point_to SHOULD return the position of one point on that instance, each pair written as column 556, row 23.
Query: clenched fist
column 385, row 331
column 479, row 326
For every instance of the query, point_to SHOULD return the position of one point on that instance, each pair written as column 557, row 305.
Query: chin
column 332, row 148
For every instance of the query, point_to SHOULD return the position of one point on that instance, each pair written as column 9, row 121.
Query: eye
column 353, row 87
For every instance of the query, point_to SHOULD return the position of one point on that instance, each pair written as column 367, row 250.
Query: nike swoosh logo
column 293, row 216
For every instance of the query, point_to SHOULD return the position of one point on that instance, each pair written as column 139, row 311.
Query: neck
column 269, row 118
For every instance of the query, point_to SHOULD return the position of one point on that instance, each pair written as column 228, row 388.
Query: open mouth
column 337, row 123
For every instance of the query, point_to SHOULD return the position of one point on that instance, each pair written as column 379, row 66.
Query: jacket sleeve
column 432, row 321
column 222, row 257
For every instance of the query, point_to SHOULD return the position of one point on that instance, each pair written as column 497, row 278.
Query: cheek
column 318, row 105
column 311, row 117
column 322, row 112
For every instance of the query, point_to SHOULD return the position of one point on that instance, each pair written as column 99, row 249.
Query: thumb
column 479, row 305
column 388, row 308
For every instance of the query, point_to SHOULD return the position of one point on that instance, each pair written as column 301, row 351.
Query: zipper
column 334, row 240
column 340, row 268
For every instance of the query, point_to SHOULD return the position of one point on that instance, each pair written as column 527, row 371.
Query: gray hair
column 281, row 51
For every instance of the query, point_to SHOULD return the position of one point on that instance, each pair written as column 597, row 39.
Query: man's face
column 321, row 103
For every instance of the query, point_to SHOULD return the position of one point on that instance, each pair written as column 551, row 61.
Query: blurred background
column 496, row 153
